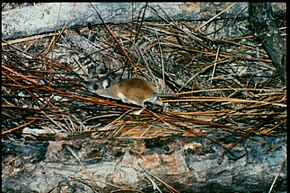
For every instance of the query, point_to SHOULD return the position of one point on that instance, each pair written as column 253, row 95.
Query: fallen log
column 188, row 164
column 44, row 17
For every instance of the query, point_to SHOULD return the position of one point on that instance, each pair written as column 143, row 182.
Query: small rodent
column 134, row 90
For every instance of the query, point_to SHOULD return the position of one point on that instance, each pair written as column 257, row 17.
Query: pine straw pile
column 227, row 85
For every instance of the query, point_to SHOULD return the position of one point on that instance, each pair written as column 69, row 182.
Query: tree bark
column 48, row 17
column 266, row 30
column 186, row 164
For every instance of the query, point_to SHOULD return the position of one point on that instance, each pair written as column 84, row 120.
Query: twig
column 277, row 175
column 229, row 7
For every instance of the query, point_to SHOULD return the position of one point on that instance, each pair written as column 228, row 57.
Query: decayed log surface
column 191, row 164
column 43, row 18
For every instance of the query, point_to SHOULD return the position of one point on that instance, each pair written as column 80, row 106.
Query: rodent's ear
column 112, row 75
column 95, row 71
column 106, row 83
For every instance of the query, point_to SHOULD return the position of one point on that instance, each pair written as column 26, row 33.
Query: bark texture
column 187, row 164
column 48, row 17
column 266, row 30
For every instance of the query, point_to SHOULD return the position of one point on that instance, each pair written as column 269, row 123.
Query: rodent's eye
column 96, row 86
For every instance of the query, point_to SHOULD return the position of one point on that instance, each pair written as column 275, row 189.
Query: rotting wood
column 187, row 164
column 43, row 18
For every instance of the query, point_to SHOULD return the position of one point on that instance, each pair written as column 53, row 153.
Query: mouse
column 133, row 90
